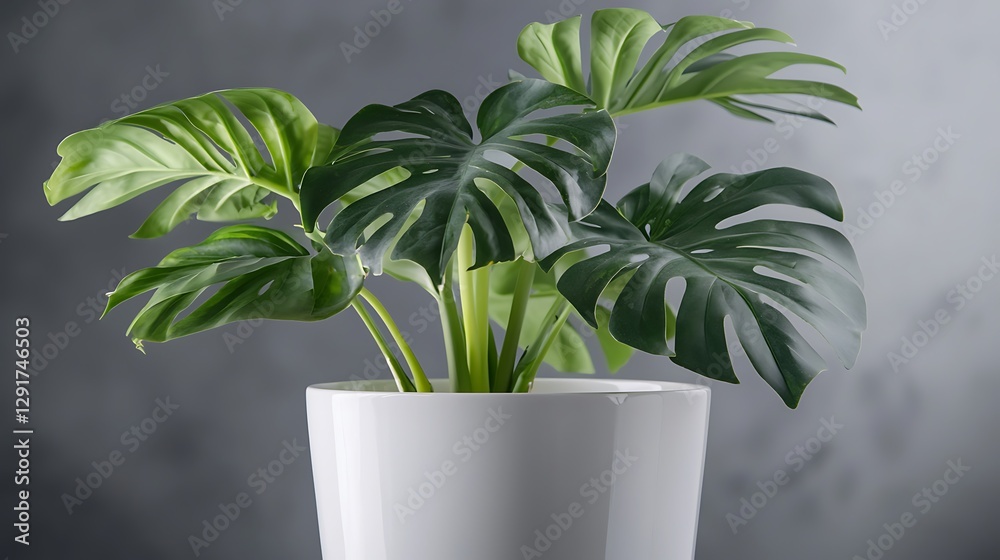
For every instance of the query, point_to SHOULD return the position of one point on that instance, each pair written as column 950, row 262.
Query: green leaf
column 260, row 274
column 200, row 144
column 556, row 50
column 445, row 167
column 758, row 272
column 617, row 39
column 400, row 269
column 693, row 62
column 616, row 354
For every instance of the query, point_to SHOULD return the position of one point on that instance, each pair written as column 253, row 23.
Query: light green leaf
column 556, row 51
column 617, row 38
column 616, row 354
column 693, row 62
column 202, row 145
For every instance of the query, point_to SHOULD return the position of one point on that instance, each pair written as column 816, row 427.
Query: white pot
column 574, row 470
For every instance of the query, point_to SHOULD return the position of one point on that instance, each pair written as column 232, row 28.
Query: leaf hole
column 263, row 289
column 771, row 273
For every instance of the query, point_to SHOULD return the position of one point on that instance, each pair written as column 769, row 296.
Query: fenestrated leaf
column 211, row 200
column 756, row 272
column 202, row 145
column 401, row 269
column 261, row 274
column 693, row 62
column 444, row 164
column 570, row 352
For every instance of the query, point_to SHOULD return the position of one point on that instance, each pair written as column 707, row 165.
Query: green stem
column 402, row 381
column 481, row 371
column 475, row 341
column 454, row 338
column 527, row 377
column 423, row 385
column 316, row 234
column 518, row 311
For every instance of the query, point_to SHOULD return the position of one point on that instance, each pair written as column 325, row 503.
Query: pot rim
column 542, row 386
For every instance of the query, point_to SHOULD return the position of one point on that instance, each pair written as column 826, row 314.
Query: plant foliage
column 504, row 223
column 693, row 62
column 446, row 169
column 754, row 271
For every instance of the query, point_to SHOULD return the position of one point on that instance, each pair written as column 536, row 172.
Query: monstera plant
column 503, row 221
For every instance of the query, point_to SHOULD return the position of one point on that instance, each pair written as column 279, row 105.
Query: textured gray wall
column 240, row 404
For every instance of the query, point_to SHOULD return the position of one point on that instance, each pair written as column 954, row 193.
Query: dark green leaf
column 756, row 272
column 448, row 172
column 260, row 274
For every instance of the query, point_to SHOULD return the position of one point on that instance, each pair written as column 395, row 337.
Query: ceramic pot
column 574, row 470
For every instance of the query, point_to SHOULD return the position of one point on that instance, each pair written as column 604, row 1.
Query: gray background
column 240, row 403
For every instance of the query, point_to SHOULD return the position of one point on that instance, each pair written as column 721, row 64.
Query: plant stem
column 476, row 329
column 316, row 235
column 550, row 335
column 423, row 385
column 454, row 338
column 481, row 371
column 402, row 381
column 518, row 311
